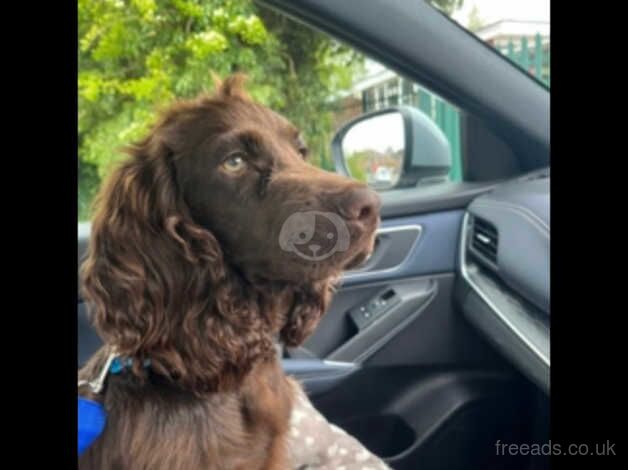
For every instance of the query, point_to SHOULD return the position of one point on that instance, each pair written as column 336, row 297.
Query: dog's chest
column 160, row 429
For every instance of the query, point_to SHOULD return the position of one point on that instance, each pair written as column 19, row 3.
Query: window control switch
column 369, row 311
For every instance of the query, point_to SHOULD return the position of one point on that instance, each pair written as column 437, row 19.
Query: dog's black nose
column 360, row 204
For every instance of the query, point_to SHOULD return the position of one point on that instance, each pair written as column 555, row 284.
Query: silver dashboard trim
column 463, row 270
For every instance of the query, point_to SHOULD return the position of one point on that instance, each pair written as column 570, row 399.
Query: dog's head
column 242, row 171
column 218, row 233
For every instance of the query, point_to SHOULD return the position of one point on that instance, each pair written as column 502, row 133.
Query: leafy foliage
column 475, row 21
column 136, row 56
column 356, row 168
column 447, row 6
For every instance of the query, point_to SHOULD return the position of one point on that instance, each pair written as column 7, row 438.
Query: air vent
column 484, row 239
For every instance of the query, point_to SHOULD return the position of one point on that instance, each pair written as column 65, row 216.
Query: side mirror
column 392, row 148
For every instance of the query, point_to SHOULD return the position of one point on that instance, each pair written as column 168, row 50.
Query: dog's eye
column 303, row 151
column 301, row 147
column 234, row 164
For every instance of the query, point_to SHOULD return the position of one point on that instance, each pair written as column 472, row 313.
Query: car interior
column 438, row 347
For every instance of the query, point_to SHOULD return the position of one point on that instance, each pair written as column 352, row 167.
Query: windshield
column 518, row 29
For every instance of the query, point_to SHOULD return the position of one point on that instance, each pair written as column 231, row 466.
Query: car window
column 136, row 56
column 518, row 29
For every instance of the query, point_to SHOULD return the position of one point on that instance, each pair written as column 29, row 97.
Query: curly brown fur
column 184, row 269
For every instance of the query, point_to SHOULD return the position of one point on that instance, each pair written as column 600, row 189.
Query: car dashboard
column 504, row 266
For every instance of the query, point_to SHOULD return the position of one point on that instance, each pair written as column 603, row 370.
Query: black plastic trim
column 433, row 198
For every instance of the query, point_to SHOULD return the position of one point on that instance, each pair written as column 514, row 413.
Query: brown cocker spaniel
column 196, row 264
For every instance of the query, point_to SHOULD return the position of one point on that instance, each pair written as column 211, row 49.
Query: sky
column 491, row 11
column 495, row 10
column 378, row 133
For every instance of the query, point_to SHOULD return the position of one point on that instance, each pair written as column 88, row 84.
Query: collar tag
column 97, row 384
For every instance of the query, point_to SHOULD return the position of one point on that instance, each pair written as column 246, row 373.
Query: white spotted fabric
column 317, row 444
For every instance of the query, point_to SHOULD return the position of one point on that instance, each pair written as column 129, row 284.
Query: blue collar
column 118, row 364
column 114, row 365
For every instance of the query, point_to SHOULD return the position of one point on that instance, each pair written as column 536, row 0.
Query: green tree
column 447, row 6
column 136, row 56
column 475, row 21
column 356, row 166
column 316, row 68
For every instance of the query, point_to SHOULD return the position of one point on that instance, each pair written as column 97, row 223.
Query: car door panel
column 432, row 252
column 423, row 379
column 423, row 384
column 421, row 326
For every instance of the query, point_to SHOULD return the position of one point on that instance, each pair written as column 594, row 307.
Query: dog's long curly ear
column 147, row 261
column 142, row 246
column 157, row 283
column 308, row 307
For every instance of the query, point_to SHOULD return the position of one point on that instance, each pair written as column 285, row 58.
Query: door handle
column 393, row 245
